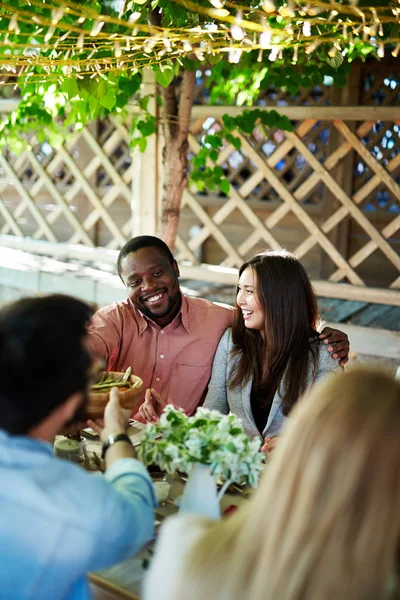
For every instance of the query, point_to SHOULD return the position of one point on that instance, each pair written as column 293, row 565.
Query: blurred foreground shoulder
column 177, row 537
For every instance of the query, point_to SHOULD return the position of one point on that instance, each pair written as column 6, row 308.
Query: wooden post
column 146, row 189
column 343, row 173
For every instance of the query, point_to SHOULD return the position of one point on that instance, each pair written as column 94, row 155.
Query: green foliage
column 53, row 110
column 206, row 173
column 143, row 125
column 178, row 442
column 57, row 100
column 241, row 84
column 164, row 74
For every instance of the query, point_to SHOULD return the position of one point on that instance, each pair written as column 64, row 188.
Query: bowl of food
column 130, row 387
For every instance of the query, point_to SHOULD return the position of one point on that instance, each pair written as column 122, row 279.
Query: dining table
column 123, row 581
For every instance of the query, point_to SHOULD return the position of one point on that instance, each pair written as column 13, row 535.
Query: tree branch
column 185, row 104
column 170, row 111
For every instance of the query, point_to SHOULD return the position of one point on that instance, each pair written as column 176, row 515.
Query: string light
column 307, row 29
column 67, row 43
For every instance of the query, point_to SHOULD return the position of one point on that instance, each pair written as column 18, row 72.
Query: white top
column 177, row 536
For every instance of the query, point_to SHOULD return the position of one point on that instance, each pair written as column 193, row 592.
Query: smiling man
column 168, row 339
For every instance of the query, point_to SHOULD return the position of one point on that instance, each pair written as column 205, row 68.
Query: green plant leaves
column 336, row 60
column 50, row 110
column 177, row 442
column 164, row 74
column 109, row 99
column 212, row 178
column 70, row 87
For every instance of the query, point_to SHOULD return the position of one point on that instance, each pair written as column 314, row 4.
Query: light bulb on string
column 307, row 29
column 268, row 6
column 265, row 39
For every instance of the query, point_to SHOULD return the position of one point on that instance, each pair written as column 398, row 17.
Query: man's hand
column 339, row 345
column 116, row 418
column 269, row 444
column 152, row 406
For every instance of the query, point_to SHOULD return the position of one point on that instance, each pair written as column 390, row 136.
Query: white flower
column 177, row 442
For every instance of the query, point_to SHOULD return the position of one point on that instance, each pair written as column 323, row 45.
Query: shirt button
column 161, row 355
column 162, row 331
column 157, row 379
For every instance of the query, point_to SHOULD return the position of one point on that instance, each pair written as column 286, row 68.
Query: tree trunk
column 176, row 124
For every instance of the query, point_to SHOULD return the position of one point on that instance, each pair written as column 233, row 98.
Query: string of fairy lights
column 78, row 40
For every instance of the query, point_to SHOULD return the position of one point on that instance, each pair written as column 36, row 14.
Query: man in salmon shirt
column 169, row 339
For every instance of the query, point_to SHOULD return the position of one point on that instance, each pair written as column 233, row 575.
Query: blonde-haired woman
column 324, row 523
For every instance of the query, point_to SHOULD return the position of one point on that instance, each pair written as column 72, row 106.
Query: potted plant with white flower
column 206, row 446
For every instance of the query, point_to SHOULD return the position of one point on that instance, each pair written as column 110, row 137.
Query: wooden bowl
column 129, row 399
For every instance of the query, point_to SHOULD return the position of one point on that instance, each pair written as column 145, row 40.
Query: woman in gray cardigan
column 272, row 353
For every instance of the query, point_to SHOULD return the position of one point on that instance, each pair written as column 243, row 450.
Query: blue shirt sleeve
column 126, row 520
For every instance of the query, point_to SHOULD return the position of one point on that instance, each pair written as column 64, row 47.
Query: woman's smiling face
column 246, row 298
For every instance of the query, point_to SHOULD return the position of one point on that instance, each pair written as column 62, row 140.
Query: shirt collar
column 25, row 443
column 185, row 312
column 182, row 316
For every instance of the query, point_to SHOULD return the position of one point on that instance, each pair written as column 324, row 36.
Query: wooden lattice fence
column 329, row 191
column 289, row 190
column 80, row 193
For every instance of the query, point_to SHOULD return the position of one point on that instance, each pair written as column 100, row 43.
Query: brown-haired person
column 324, row 523
column 58, row 522
column 272, row 354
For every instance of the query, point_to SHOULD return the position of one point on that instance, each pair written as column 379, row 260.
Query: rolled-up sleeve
column 104, row 333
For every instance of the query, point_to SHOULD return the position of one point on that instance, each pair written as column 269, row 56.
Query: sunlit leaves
column 53, row 110
column 206, row 173
column 108, row 87
column 164, row 74
column 143, row 125
column 242, row 84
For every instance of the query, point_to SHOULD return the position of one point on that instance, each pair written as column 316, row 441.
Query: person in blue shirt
column 58, row 522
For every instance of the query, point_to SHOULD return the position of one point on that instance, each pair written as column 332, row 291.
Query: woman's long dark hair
column 290, row 307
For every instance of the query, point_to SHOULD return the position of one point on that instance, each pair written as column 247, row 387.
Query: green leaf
column 199, row 161
column 41, row 136
column 213, row 140
column 122, row 100
column 225, row 186
column 93, row 104
column 200, row 185
column 236, row 142
column 130, row 86
column 144, row 102
column 214, row 59
column 70, row 87
column 148, row 127
column 109, row 100
column 164, row 76
column 336, row 60
column 229, row 122
column 189, row 64
column 142, row 143
column 56, row 139
column 214, row 155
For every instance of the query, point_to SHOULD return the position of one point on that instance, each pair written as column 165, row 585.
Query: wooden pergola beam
column 299, row 113
column 295, row 113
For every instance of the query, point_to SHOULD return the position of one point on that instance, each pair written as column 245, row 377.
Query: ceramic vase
column 200, row 493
